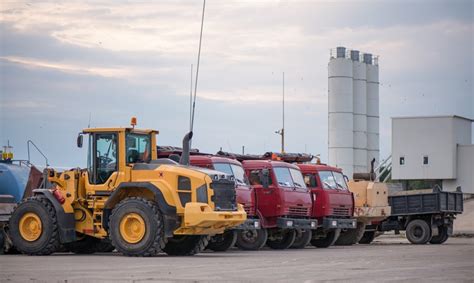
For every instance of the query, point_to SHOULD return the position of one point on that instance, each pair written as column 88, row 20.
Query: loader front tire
column 186, row 245
column 136, row 227
column 303, row 237
column 223, row 242
column 251, row 240
column 351, row 236
column 34, row 227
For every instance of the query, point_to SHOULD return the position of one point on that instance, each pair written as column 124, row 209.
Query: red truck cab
column 333, row 203
column 283, row 201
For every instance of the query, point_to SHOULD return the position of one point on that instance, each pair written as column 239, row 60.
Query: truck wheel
column 251, row 240
column 302, row 239
column 136, row 227
column 367, row 238
column 34, row 227
column 283, row 239
column 186, row 244
column 328, row 240
column 223, row 242
column 351, row 236
column 442, row 236
column 418, row 232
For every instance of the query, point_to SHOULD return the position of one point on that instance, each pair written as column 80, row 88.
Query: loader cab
column 112, row 152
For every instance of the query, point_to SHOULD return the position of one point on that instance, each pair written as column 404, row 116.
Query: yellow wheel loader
column 141, row 204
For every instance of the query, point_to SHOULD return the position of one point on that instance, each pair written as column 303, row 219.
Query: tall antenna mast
column 191, row 98
column 282, row 131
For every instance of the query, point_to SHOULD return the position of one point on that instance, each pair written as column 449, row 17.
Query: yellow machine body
column 370, row 200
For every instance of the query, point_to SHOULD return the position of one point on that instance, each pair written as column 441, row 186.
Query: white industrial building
column 434, row 148
column 353, row 90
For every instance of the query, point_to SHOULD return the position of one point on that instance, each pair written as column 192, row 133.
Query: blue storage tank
column 13, row 179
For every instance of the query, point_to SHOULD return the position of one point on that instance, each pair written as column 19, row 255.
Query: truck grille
column 298, row 211
column 340, row 211
column 224, row 197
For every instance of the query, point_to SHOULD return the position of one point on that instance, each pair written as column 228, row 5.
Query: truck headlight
column 289, row 223
column 313, row 224
column 354, row 224
column 334, row 223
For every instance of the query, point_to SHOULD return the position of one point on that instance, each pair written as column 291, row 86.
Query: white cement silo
column 341, row 118
column 359, row 71
column 373, row 147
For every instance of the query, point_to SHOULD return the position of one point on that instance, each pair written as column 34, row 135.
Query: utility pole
column 282, row 131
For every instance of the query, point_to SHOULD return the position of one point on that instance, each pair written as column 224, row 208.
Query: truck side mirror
column 346, row 178
column 80, row 138
column 264, row 175
column 312, row 181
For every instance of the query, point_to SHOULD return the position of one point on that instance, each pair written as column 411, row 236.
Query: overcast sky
column 60, row 63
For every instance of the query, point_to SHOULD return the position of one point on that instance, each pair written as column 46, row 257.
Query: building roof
column 438, row 116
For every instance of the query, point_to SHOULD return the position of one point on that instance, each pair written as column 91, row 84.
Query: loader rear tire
column 329, row 240
column 34, row 227
column 284, row 239
column 251, row 240
column 223, row 242
column 186, row 245
column 418, row 232
column 367, row 238
column 351, row 236
column 105, row 246
column 136, row 227
column 303, row 237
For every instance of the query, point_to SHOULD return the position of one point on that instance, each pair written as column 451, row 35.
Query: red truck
column 333, row 203
column 283, row 204
column 245, row 194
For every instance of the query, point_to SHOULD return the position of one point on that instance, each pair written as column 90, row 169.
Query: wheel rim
column 30, row 227
column 249, row 236
column 418, row 232
column 132, row 228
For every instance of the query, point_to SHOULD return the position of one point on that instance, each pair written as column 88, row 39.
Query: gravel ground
column 390, row 257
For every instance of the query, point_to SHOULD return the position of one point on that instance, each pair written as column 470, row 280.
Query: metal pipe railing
column 32, row 143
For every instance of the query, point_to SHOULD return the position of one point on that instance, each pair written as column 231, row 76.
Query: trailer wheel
column 283, row 239
column 136, row 227
column 351, row 236
column 418, row 232
column 223, row 242
column 34, row 227
column 251, row 240
column 182, row 245
column 367, row 238
column 442, row 236
column 328, row 240
column 303, row 237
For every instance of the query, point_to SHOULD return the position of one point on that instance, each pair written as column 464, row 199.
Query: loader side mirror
column 80, row 139
column 264, row 175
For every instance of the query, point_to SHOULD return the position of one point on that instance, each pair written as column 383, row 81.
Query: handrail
column 28, row 146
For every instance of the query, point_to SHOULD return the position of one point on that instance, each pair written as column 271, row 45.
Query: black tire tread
column 329, row 240
column 198, row 243
column 351, row 236
column 302, row 240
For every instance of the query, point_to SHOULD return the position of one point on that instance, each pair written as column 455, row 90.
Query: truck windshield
column 233, row 170
column 283, row 176
column 341, row 183
column 297, row 178
column 327, row 180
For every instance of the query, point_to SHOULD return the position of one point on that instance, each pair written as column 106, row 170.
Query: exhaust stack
column 184, row 160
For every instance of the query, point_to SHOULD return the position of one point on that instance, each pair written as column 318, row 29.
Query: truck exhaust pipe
column 184, row 159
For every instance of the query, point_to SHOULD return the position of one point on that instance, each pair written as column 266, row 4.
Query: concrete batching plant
column 353, row 88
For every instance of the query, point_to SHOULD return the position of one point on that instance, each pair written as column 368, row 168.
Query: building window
column 402, row 160
column 425, row 160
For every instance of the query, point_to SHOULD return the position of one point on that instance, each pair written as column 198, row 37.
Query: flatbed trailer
column 425, row 215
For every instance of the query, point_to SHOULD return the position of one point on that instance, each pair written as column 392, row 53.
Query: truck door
column 268, row 201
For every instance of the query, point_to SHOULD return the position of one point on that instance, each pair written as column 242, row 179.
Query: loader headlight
column 289, row 223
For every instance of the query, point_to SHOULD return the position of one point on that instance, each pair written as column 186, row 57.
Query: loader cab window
column 102, row 161
column 138, row 148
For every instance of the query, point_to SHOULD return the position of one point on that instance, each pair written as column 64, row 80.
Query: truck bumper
column 339, row 223
column 296, row 223
column 200, row 219
column 249, row 224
